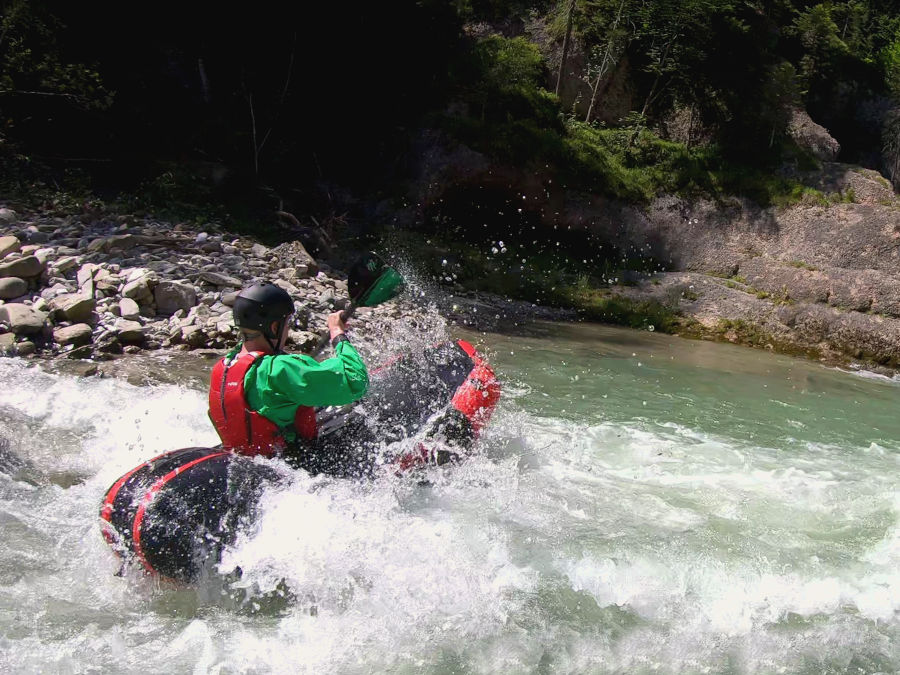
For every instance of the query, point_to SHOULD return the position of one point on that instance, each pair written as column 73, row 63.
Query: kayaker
column 261, row 400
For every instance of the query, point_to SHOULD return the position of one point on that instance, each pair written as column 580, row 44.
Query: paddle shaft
column 325, row 337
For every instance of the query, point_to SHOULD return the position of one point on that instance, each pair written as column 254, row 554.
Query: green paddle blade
column 372, row 281
column 387, row 286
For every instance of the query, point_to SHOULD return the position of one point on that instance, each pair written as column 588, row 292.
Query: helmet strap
column 276, row 346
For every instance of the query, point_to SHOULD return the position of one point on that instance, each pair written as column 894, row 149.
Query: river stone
column 78, row 334
column 45, row 255
column 295, row 255
column 22, row 319
column 128, row 309
column 218, row 279
column 85, row 273
column 12, row 287
column 174, row 295
column 193, row 335
column 63, row 265
column 139, row 289
column 24, row 268
column 35, row 236
column 123, row 242
column 25, row 348
column 9, row 245
column 74, row 307
column 286, row 286
column 129, row 331
column 8, row 216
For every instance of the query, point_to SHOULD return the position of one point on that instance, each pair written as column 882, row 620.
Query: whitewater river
column 639, row 504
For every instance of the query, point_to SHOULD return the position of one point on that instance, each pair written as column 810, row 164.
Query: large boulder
column 812, row 137
column 24, row 268
column 12, row 287
column 174, row 295
column 22, row 319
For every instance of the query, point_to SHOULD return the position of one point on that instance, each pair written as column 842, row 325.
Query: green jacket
column 277, row 384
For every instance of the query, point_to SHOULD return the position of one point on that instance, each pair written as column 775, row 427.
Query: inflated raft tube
column 174, row 514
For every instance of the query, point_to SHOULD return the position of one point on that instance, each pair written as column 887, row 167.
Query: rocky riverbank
column 94, row 287
column 816, row 279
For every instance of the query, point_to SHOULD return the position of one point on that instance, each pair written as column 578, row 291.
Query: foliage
column 32, row 64
column 300, row 101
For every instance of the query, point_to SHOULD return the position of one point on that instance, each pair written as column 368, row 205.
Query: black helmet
column 259, row 306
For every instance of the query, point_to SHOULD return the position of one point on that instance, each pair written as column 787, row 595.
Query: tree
column 565, row 49
column 37, row 82
column 820, row 38
column 616, row 39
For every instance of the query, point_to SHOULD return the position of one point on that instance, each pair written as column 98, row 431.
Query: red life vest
column 241, row 429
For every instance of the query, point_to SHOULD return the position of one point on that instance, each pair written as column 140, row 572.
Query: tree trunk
column 565, row 49
column 605, row 64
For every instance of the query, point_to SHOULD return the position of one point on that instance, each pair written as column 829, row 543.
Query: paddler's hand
column 336, row 325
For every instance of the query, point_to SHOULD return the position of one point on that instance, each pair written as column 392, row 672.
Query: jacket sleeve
column 339, row 380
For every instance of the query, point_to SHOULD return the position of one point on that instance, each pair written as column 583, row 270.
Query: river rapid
column 639, row 503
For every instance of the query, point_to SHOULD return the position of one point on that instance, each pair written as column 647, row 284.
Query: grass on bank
column 551, row 278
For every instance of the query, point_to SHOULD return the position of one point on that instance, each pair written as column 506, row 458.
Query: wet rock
column 25, row 348
column 25, row 268
column 83, row 368
column 77, row 334
column 108, row 343
column 22, row 319
column 172, row 296
column 12, row 287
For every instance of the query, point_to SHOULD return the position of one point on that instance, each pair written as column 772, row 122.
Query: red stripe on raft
column 477, row 396
column 112, row 493
column 149, row 497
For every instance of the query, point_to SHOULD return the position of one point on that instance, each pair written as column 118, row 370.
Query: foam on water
column 573, row 542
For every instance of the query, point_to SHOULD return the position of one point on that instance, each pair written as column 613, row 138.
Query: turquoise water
column 639, row 503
